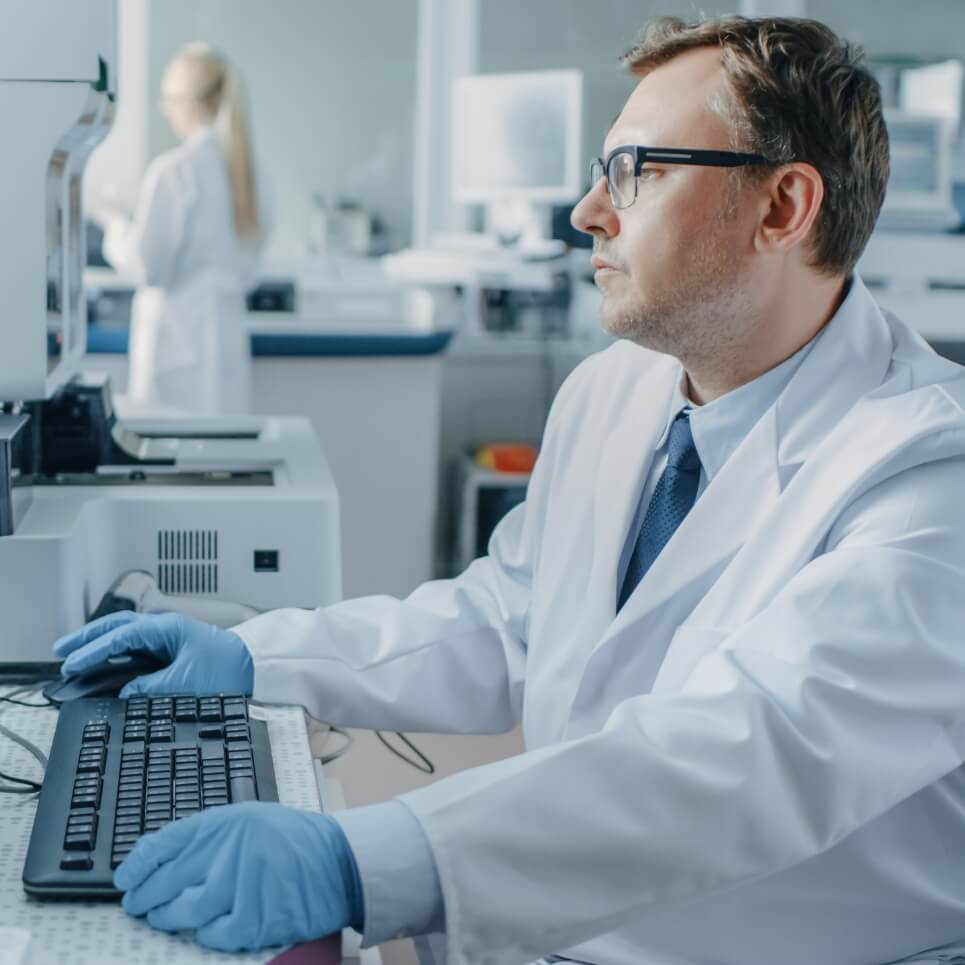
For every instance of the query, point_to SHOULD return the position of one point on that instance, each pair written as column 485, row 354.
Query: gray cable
column 30, row 787
column 26, row 745
column 348, row 740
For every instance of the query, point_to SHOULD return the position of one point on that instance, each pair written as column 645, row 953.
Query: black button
column 79, row 842
column 266, row 561
column 76, row 862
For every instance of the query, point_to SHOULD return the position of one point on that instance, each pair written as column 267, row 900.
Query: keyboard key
column 79, row 842
column 243, row 789
column 76, row 862
column 82, row 821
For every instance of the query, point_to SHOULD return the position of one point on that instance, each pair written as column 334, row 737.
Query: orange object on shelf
column 507, row 457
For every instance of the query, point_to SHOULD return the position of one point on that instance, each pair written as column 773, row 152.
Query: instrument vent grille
column 187, row 561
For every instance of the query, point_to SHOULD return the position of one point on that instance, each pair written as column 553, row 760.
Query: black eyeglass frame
column 600, row 167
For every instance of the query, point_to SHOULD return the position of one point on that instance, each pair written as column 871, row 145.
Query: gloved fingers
column 127, row 638
column 192, row 908
column 96, row 628
column 163, row 885
column 231, row 932
column 164, row 681
column 153, row 850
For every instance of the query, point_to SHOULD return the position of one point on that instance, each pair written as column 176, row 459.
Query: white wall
column 331, row 87
column 929, row 28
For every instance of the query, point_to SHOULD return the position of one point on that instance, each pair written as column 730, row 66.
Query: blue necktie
column 675, row 494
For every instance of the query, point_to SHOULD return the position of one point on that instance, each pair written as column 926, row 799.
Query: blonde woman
column 192, row 246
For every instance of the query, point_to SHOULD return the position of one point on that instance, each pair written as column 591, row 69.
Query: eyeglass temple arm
column 724, row 159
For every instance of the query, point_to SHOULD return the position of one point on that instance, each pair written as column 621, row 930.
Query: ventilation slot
column 187, row 561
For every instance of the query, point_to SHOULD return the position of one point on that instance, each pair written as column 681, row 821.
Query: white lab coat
column 758, row 759
column 188, row 340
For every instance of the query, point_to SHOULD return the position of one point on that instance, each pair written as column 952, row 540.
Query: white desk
column 89, row 933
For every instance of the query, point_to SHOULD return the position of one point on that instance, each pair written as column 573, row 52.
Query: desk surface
column 87, row 933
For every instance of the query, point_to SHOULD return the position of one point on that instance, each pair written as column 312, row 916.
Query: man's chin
column 617, row 318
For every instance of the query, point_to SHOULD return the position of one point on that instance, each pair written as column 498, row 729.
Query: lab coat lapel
column 737, row 499
column 624, row 464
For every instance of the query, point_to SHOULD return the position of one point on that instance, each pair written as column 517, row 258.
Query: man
column 729, row 615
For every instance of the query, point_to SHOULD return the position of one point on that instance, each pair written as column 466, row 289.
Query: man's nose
column 594, row 214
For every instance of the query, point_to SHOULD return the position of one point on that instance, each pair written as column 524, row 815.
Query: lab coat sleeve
column 145, row 247
column 400, row 884
column 383, row 663
column 842, row 697
column 448, row 659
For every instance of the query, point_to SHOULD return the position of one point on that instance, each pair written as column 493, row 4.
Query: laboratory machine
column 240, row 511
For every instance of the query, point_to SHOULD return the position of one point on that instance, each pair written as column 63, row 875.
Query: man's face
column 673, row 266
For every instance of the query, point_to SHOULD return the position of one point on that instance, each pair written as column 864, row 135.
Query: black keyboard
column 122, row 768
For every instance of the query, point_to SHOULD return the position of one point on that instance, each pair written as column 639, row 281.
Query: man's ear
column 794, row 195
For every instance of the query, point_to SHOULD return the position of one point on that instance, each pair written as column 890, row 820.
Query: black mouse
column 104, row 680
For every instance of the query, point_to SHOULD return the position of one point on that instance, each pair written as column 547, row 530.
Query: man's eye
column 649, row 174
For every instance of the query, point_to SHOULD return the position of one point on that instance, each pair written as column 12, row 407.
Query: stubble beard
column 700, row 316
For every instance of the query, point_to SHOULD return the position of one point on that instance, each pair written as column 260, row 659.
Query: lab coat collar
column 202, row 133
column 850, row 358
column 847, row 360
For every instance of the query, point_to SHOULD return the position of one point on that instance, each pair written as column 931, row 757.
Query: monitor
column 920, row 185
column 517, row 137
column 516, row 141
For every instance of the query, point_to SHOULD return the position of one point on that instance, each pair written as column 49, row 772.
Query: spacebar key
column 243, row 789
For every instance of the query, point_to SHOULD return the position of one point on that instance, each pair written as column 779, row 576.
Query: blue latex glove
column 202, row 659
column 245, row 876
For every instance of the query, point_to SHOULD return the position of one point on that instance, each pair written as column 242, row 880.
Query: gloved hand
column 245, row 876
column 202, row 659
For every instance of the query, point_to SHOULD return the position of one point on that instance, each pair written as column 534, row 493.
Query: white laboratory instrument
column 241, row 510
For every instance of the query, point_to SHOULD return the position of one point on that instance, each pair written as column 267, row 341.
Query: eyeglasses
column 623, row 165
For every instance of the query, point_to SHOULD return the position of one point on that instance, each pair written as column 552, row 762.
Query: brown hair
column 797, row 92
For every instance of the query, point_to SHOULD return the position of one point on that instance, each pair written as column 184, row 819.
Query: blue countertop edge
column 104, row 341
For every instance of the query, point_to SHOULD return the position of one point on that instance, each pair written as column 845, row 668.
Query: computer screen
column 920, row 184
column 517, row 137
column 915, row 147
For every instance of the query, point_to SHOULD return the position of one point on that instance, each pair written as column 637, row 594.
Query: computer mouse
column 104, row 680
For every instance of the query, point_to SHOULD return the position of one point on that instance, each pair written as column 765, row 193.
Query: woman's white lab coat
column 188, row 341
column 758, row 759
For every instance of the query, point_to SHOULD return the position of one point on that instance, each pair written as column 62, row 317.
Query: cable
column 23, row 703
column 32, row 787
column 427, row 767
column 26, row 745
column 29, row 786
column 348, row 741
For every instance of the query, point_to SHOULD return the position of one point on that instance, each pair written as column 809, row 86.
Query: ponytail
column 231, row 123
column 215, row 87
